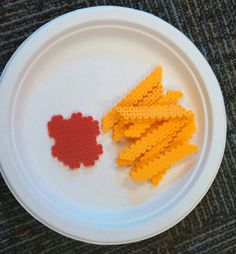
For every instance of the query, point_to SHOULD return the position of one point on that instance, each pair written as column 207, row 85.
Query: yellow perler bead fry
column 109, row 120
column 185, row 133
column 152, row 97
column 151, row 139
column 158, row 177
column 155, row 151
column 151, row 81
column 181, row 137
column 159, row 112
column 134, row 96
column 137, row 129
column 119, row 131
column 171, row 97
column 164, row 161
column 123, row 163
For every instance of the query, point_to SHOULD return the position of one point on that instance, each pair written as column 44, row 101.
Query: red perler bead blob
column 75, row 140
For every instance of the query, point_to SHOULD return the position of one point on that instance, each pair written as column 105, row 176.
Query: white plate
column 86, row 61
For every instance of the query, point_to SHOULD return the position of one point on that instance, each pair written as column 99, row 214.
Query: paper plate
column 86, row 61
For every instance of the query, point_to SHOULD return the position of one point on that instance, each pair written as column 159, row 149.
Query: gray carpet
column 211, row 227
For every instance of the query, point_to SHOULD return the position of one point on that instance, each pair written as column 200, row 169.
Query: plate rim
column 224, row 124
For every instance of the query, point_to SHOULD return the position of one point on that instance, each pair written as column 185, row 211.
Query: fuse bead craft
column 157, row 113
column 158, row 127
column 152, row 97
column 171, row 97
column 136, row 95
column 158, row 177
column 75, row 140
column 149, row 140
column 119, row 131
column 136, row 130
column 166, row 160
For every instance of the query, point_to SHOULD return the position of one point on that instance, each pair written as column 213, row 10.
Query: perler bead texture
column 152, row 97
column 159, row 176
column 153, row 167
column 177, row 138
column 136, row 130
column 119, row 131
column 75, row 140
column 154, row 136
column 151, row 81
column 158, row 113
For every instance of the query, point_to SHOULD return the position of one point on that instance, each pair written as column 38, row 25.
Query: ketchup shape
column 75, row 140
